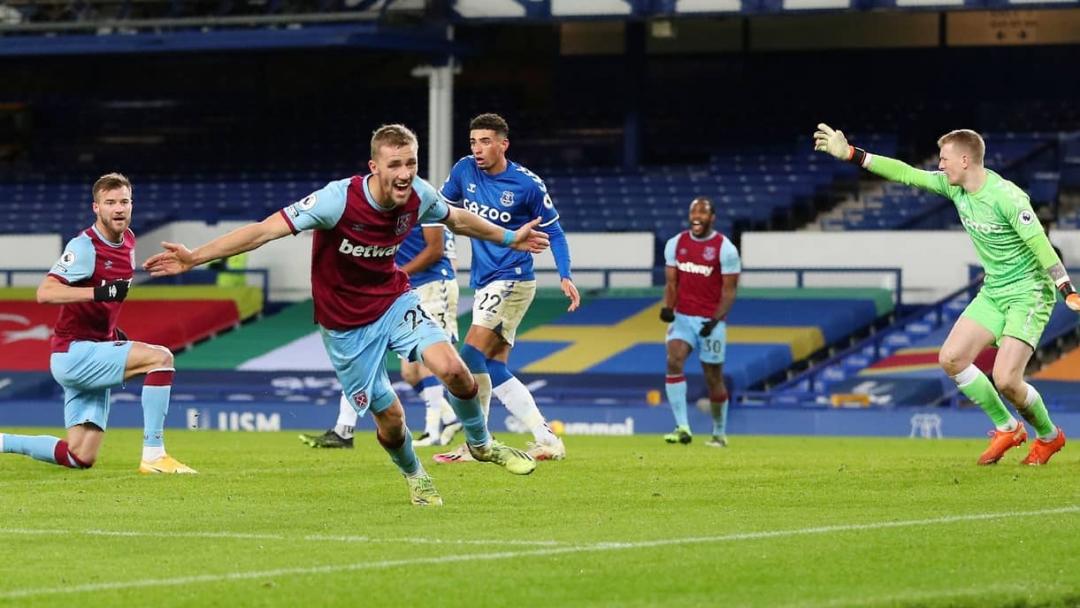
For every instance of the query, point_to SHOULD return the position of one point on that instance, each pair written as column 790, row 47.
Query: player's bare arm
column 727, row 300
column 526, row 238
column 671, row 286
column 431, row 253
column 178, row 259
column 53, row 291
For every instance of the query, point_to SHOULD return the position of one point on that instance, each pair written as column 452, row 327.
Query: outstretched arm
column 1049, row 260
column 526, row 238
column 834, row 142
column 177, row 258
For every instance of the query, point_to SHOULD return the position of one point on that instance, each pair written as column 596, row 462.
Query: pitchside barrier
column 290, row 401
column 566, row 419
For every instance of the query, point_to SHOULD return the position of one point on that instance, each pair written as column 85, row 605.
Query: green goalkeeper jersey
column 998, row 218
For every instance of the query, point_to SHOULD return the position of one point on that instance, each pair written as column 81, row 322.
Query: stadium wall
column 289, row 260
column 569, row 419
column 29, row 251
column 934, row 263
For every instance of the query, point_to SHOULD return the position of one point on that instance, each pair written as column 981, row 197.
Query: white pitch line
column 927, row 596
column 432, row 541
column 331, row 569
column 269, row 536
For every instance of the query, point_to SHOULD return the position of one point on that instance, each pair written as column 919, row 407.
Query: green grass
column 736, row 527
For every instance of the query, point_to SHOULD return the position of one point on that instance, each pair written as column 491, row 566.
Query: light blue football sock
column 155, row 404
column 719, row 418
column 402, row 455
column 676, row 396
column 472, row 419
column 38, row 447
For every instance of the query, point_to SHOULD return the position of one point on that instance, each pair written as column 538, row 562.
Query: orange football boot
column 1041, row 451
column 1001, row 442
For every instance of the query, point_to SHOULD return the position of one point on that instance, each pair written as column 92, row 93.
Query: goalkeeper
column 1017, row 296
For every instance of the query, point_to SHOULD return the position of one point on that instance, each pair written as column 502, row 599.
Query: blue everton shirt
column 440, row 270
column 510, row 199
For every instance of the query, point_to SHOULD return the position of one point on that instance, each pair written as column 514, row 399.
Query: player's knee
column 163, row 357
column 952, row 362
column 391, row 419
column 84, row 458
column 457, row 378
column 1009, row 383
column 675, row 364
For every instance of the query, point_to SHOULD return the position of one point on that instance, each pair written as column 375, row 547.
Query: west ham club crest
column 360, row 399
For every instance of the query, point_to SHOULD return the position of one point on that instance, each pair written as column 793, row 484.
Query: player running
column 363, row 304
column 1017, row 296
column 90, row 354
column 426, row 256
column 701, row 276
column 491, row 186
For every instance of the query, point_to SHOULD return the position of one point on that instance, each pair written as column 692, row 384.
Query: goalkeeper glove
column 707, row 327
column 667, row 315
column 1072, row 299
column 827, row 139
column 115, row 291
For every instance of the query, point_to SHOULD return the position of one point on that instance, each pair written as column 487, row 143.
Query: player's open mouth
column 402, row 187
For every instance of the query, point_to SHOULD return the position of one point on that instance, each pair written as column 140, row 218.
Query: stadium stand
column 611, row 336
column 904, row 356
column 248, row 142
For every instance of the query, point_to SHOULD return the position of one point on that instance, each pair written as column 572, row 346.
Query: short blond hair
column 395, row 135
column 110, row 181
column 967, row 139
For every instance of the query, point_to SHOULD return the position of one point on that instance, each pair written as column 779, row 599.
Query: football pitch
column 626, row 521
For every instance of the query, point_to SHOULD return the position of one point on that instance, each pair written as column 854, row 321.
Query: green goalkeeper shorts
column 1022, row 315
